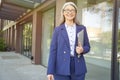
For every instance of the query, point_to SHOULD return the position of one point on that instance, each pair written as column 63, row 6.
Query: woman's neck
column 69, row 23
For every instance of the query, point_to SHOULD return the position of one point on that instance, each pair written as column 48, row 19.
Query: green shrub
column 2, row 44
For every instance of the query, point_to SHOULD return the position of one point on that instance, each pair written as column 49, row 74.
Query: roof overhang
column 13, row 9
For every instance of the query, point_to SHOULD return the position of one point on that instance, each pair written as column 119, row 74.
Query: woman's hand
column 50, row 77
column 79, row 48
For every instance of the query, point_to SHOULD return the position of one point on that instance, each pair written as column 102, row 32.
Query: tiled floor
column 14, row 66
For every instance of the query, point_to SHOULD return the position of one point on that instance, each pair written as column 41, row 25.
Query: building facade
column 30, row 35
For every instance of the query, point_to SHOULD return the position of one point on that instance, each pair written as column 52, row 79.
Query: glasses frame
column 68, row 10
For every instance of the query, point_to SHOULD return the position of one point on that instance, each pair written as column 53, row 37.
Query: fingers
column 50, row 77
column 79, row 44
column 79, row 49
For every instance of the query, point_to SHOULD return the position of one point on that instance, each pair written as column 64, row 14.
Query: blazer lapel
column 65, row 35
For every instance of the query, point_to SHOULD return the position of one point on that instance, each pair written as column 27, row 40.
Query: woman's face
column 69, row 13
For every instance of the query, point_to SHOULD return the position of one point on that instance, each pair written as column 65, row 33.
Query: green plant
column 2, row 44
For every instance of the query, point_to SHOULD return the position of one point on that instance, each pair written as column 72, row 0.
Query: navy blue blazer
column 59, row 57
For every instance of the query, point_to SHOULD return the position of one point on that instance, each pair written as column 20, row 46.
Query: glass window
column 119, row 33
column 27, row 40
column 96, row 15
column 119, row 41
column 47, row 29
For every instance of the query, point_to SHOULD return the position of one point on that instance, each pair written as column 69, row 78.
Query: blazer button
column 64, row 59
column 64, row 52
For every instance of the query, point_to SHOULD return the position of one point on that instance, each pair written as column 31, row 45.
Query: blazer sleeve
column 52, row 54
column 86, row 46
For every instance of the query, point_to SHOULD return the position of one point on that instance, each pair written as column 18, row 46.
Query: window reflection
column 98, row 19
column 96, row 15
column 47, row 29
column 27, row 40
column 118, row 46
column 119, row 33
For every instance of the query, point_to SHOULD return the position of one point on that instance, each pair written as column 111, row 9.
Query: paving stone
column 14, row 66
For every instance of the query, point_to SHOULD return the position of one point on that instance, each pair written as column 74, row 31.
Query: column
column 18, row 36
column 36, row 37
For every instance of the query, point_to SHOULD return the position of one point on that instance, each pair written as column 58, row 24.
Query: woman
column 64, row 61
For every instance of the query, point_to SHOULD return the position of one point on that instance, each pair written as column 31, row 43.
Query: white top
column 71, row 30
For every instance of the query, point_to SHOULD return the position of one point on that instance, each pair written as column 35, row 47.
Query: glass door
column 27, row 40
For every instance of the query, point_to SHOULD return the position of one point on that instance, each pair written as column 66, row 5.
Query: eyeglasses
column 67, row 10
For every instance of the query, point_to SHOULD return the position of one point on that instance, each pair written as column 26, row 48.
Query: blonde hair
column 62, row 19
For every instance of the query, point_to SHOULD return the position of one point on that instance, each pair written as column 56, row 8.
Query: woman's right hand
column 50, row 77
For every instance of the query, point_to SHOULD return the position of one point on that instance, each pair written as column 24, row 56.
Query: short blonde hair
column 62, row 18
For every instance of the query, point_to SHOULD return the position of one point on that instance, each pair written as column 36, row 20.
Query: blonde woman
column 64, row 63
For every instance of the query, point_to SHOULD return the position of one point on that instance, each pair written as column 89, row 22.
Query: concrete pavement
column 15, row 66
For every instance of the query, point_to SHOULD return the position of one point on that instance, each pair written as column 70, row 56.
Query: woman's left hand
column 79, row 48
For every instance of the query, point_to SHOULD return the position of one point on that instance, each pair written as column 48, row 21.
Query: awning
column 13, row 9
